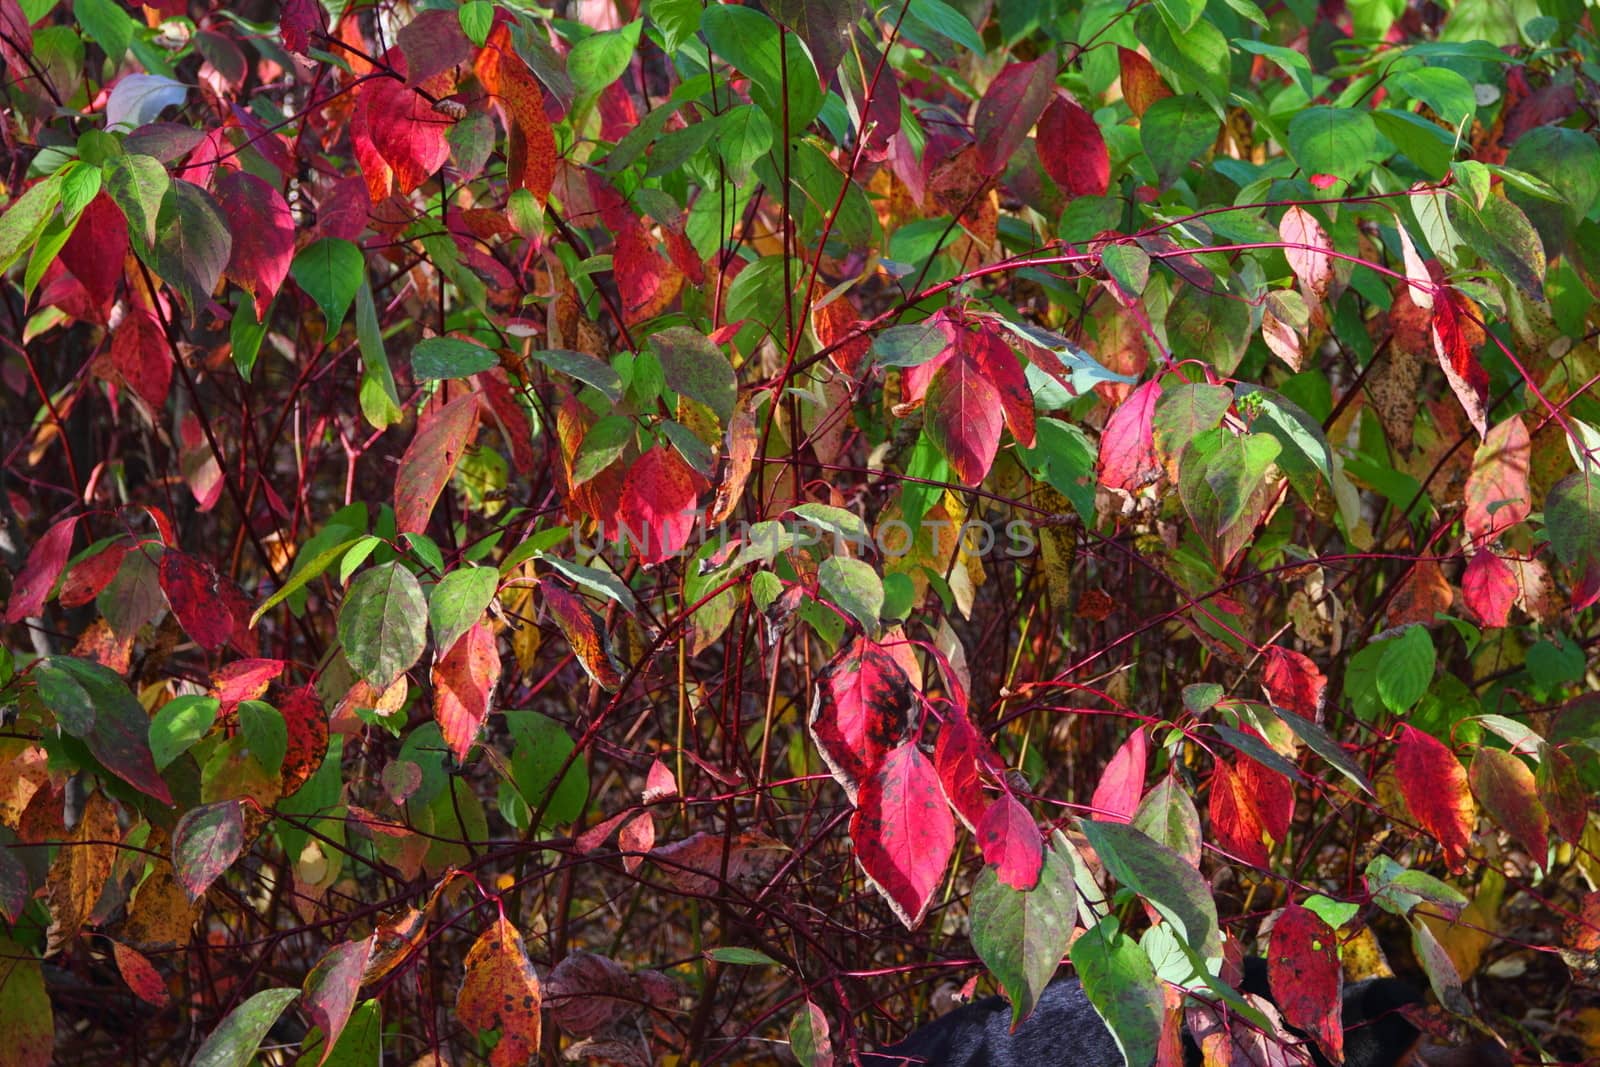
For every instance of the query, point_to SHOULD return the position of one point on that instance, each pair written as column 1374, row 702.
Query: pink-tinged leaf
column 862, row 709
column 433, row 43
column 299, row 21
column 1434, row 786
column 957, row 756
column 332, row 987
column 1306, row 977
column 914, row 384
column 464, row 680
column 659, row 783
column 206, row 842
column 1011, row 843
column 1307, row 247
column 635, row 839
column 16, row 35
column 45, row 562
column 198, row 462
column 501, row 992
column 97, row 248
column 1507, row 789
column 1009, row 109
column 1489, row 587
column 405, row 129
column 1293, row 681
column 263, row 233
column 1121, row 787
column 1563, row 794
column 903, row 832
column 139, row 353
column 657, row 510
column 307, row 725
column 962, row 418
column 808, row 1031
column 1467, row 378
column 1497, row 494
column 997, row 361
column 430, row 460
column 587, row 992
column 1072, row 149
column 141, row 975
column 191, row 588
column 647, row 280
column 245, row 679
column 89, row 576
column 1128, row 459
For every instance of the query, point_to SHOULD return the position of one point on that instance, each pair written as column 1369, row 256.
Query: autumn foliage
column 684, row 532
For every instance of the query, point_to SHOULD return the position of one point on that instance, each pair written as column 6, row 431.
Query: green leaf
column 1502, row 235
column 1442, row 89
column 380, row 400
column 192, row 244
column 1122, row 986
column 1333, row 140
column 25, row 219
column 60, row 692
column 1021, row 935
column 751, row 42
column 458, row 602
column 178, row 724
column 541, row 747
column 605, row 442
column 945, row 19
column 1175, row 132
column 237, row 1038
column 118, row 735
column 697, row 368
column 744, row 135
column 1424, row 143
column 1406, row 669
column 600, row 58
column 265, row 733
column 107, row 24
column 837, row 521
column 587, row 369
column 330, row 271
column 1209, row 325
column 854, row 586
column 382, row 623
column 477, row 19
column 909, row 346
column 1292, row 63
column 742, row 956
column 80, row 184
column 1572, row 519
column 139, row 186
column 450, row 357
column 600, row 582
column 303, row 574
column 1217, row 475
column 1181, row 14
column 677, row 20
column 1160, row 876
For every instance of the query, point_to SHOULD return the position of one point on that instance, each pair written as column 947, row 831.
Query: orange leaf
column 81, row 868
column 463, row 681
column 501, row 992
column 584, row 631
column 1141, row 85
column 141, row 975
column 531, row 156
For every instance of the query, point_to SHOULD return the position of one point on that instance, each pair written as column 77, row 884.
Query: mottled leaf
column 903, row 832
column 501, row 992
column 206, row 842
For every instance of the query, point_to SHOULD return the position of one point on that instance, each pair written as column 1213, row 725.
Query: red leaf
column 198, row 462
column 998, row 363
column 1489, row 587
column 375, row 170
column 1235, row 817
column 1306, row 978
column 1562, row 792
column 263, row 233
column 903, row 832
column 1434, row 786
column 647, row 280
column 1117, row 796
column 191, row 588
column 585, row 993
column 832, row 322
column 1010, row 841
column 637, row 836
column 962, row 418
column 1508, row 790
column 862, row 709
column 141, row 975
column 501, row 992
column 1072, row 149
column 242, row 680
column 89, row 576
column 307, row 723
column 434, row 43
column 301, row 19
column 1273, row 794
column 657, row 514
column 205, row 843
column 531, row 157
column 16, row 35
column 463, row 681
column 332, row 986
column 1128, row 458
column 1141, row 85
column 96, row 250
column 1009, row 109
column 1467, row 378
column 405, row 129
column 585, row 633
column 659, row 783
column 956, row 757
column 45, row 562
column 1497, row 493
column 139, row 353
column 1293, row 681
column 430, row 460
